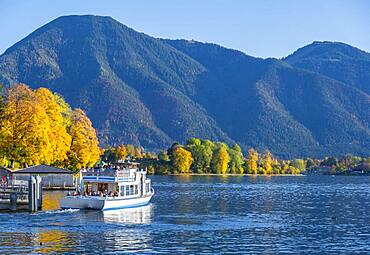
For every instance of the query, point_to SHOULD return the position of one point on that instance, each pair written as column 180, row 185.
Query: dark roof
column 5, row 169
column 42, row 169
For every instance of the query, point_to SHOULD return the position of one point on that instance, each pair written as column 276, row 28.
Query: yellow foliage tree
column 220, row 160
column 138, row 153
column 37, row 127
column 130, row 150
column 123, row 152
column 182, row 160
column 267, row 162
column 251, row 162
column 25, row 127
column 85, row 150
column 59, row 139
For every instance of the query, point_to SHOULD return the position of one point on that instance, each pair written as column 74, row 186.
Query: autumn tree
column 267, row 160
column 182, row 160
column 59, row 139
column 37, row 127
column 251, row 163
column 85, row 150
column 150, row 155
column 25, row 127
column 122, row 154
column 276, row 167
column 220, row 160
column 130, row 150
column 138, row 153
column 284, row 167
column 299, row 164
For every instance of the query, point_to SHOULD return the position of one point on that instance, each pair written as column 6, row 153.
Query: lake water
column 207, row 215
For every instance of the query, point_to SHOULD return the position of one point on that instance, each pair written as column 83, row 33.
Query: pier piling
column 22, row 194
column 34, row 193
column 13, row 201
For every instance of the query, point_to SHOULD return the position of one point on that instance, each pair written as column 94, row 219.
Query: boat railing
column 119, row 173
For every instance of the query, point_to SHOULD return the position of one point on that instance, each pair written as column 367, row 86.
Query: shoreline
column 255, row 175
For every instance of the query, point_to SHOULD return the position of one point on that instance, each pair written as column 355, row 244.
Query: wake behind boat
column 122, row 185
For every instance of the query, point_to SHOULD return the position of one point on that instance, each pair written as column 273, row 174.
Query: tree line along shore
column 39, row 127
column 205, row 157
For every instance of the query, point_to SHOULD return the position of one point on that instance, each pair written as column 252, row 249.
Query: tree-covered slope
column 270, row 104
column 152, row 92
column 336, row 60
column 135, row 88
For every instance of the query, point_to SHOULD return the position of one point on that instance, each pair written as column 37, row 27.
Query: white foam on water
column 58, row 211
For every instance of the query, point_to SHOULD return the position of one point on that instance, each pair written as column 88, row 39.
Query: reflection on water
column 139, row 215
column 52, row 241
column 207, row 215
column 50, row 199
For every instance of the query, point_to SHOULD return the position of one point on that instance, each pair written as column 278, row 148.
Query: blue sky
column 264, row 28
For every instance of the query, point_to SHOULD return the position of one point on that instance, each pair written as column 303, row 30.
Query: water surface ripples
column 207, row 215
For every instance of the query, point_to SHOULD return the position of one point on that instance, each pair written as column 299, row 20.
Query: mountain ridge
column 152, row 92
column 337, row 60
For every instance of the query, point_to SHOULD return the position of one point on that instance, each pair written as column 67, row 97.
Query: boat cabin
column 117, row 180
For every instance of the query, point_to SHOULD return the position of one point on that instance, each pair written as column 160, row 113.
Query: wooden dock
column 21, row 195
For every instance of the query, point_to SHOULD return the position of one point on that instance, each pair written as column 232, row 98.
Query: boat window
column 147, row 188
column 132, row 190
column 127, row 190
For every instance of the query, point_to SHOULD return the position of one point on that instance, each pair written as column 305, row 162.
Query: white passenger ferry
column 118, row 186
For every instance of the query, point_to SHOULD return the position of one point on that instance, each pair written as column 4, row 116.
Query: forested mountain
column 336, row 60
column 270, row 102
column 142, row 90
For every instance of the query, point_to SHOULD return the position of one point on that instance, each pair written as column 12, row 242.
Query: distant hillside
column 271, row 104
column 152, row 92
column 336, row 60
column 133, row 87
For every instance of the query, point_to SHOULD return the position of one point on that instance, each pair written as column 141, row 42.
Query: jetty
column 21, row 195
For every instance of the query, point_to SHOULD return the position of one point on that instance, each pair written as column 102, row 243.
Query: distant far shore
column 212, row 174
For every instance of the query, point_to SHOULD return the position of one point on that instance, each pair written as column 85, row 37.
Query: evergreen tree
column 202, row 155
column 236, row 160
column 163, row 156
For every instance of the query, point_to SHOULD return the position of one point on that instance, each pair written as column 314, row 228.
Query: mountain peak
column 143, row 90
column 337, row 60
column 328, row 50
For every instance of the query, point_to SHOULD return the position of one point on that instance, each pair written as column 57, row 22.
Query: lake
column 207, row 215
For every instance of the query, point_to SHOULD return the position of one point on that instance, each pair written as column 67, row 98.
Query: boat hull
column 102, row 203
